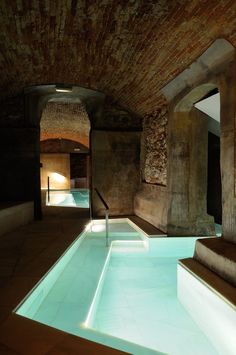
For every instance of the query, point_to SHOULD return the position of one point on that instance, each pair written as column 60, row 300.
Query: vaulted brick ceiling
column 68, row 120
column 128, row 49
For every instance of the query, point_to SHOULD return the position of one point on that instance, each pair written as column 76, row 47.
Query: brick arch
column 35, row 99
column 65, row 119
column 62, row 145
column 73, row 136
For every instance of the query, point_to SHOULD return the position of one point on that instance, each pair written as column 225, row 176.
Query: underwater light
column 98, row 228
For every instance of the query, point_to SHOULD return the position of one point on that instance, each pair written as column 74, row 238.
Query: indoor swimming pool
column 68, row 198
column 123, row 296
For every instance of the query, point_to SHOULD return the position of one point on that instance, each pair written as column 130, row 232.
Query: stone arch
column 36, row 98
column 187, row 142
column 196, row 94
column 114, row 146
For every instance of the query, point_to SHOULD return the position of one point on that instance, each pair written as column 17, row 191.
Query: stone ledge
column 219, row 256
column 211, row 280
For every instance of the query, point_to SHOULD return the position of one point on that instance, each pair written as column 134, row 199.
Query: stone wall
column 115, row 170
column 151, row 200
column 150, row 203
column 186, row 166
column 187, row 175
column 155, row 148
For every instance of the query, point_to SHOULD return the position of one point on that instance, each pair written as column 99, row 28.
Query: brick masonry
column 65, row 120
column 115, row 117
column 126, row 49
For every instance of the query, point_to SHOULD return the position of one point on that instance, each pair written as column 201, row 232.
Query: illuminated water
column 69, row 198
column 139, row 301
column 123, row 296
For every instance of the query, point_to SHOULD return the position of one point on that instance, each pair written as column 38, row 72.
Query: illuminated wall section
column 57, row 167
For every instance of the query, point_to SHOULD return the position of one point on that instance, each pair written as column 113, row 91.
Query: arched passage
column 36, row 99
column 214, row 68
column 188, row 147
column 115, row 145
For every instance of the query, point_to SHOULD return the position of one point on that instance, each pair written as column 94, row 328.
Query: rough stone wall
column 155, row 147
column 150, row 202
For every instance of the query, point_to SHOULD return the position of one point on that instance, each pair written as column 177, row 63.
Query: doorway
column 64, row 154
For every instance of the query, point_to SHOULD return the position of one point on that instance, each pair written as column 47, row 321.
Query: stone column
column 187, row 178
column 227, row 141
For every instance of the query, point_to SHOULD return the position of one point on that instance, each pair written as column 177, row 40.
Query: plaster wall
column 115, row 170
column 57, row 167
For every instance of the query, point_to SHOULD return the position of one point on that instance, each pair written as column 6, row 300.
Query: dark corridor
column 214, row 200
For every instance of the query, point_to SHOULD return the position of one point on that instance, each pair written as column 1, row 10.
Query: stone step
column 219, row 256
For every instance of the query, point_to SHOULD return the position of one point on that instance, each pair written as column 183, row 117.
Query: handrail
column 102, row 199
column 106, row 213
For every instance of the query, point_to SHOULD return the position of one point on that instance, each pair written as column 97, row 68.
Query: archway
column 36, row 99
column 115, row 139
column 214, row 68
column 65, row 153
column 188, row 148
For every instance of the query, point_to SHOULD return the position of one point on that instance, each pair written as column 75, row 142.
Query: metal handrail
column 106, row 214
column 102, row 199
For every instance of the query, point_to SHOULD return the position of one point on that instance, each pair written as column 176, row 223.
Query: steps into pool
column 129, row 246
column 117, row 229
column 218, row 255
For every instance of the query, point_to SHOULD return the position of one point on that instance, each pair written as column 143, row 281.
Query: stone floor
column 25, row 256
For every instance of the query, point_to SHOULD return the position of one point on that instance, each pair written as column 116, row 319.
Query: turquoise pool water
column 69, row 198
column 123, row 296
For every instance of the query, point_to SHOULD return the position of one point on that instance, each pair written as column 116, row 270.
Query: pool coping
column 22, row 335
